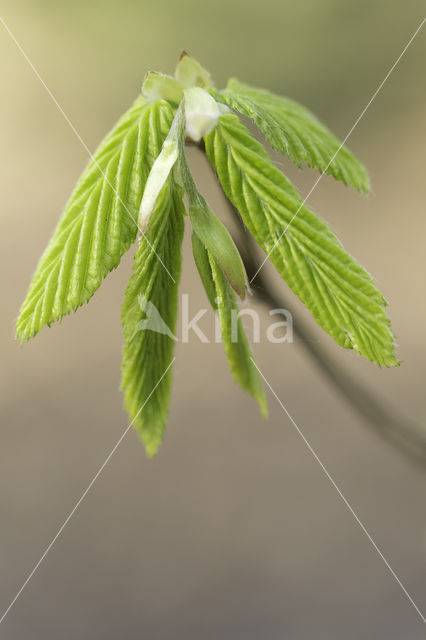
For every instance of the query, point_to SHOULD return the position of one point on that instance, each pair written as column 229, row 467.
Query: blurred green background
column 233, row 531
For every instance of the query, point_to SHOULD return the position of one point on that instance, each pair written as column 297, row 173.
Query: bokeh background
column 233, row 530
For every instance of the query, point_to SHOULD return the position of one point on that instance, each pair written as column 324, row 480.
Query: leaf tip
column 263, row 406
column 20, row 337
column 23, row 330
column 151, row 449
column 364, row 185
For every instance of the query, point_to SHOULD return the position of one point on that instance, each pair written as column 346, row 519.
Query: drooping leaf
column 100, row 220
column 212, row 233
column 149, row 318
column 223, row 300
column 294, row 130
column 217, row 239
column 201, row 258
column 340, row 294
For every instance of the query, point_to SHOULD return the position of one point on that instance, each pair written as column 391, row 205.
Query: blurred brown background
column 233, row 531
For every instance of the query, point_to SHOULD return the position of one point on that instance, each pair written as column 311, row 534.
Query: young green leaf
column 217, row 239
column 294, row 130
column 223, row 300
column 212, row 233
column 202, row 262
column 157, row 86
column 162, row 167
column 99, row 221
column 149, row 318
column 340, row 294
column 190, row 73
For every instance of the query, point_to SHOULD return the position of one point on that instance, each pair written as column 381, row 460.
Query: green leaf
column 157, row 86
column 99, row 221
column 202, row 262
column 213, row 234
column 217, row 239
column 340, row 294
column 149, row 318
column 294, row 130
column 223, row 300
column 190, row 73
column 162, row 167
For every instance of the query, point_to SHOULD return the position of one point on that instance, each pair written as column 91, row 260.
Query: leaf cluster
column 138, row 179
